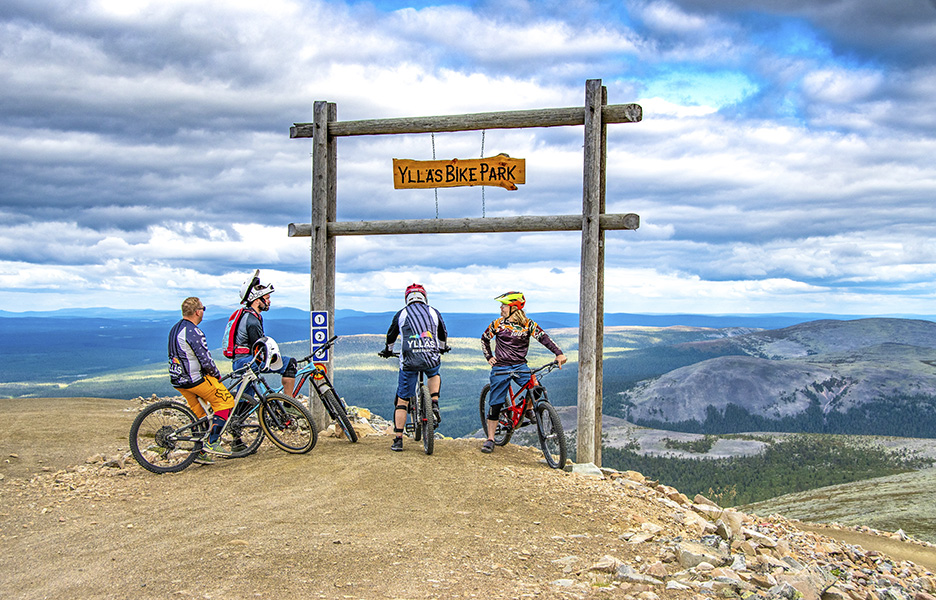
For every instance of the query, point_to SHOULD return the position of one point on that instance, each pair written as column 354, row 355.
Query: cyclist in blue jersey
column 512, row 333
column 194, row 374
column 423, row 335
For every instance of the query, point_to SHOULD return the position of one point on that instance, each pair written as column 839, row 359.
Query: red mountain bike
column 525, row 406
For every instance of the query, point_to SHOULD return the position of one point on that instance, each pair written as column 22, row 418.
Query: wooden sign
column 501, row 171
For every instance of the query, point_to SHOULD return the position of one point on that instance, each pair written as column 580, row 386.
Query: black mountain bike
column 420, row 420
column 323, row 386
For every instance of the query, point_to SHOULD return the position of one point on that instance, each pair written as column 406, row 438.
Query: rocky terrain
column 81, row 520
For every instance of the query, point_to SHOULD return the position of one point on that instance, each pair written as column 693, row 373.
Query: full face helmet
column 416, row 293
column 512, row 299
column 253, row 289
column 267, row 353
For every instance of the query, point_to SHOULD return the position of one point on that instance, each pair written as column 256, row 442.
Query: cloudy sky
column 785, row 162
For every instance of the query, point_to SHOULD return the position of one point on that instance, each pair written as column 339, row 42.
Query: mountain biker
column 249, row 329
column 194, row 374
column 423, row 340
column 512, row 333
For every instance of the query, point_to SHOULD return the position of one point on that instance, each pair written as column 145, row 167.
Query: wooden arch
column 595, row 116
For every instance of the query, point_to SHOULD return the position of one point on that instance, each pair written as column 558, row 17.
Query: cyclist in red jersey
column 511, row 333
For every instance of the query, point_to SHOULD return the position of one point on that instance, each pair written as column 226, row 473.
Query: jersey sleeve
column 394, row 331
column 543, row 338
column 442, row 332
column 486, row 338
column 198, row 344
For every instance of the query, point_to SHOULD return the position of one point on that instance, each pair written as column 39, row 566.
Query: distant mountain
column 862, row 376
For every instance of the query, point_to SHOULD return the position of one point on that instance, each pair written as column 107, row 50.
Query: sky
column 784, row 162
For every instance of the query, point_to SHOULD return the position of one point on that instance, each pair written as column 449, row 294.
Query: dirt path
column 345, row 521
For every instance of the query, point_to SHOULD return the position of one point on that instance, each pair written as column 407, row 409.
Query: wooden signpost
column 595, row 115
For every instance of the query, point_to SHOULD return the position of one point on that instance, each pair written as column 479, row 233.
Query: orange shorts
column 211, row 391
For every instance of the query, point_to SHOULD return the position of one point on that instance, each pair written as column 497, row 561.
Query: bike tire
column 336, row 409
column 551, row 437
column 152, row 440
column 428, row 420
column 504, row 430
column 288, row 423
column 247, row 428
column 482, row 407
column 413, row 411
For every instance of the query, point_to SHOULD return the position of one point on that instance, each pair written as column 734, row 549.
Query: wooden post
column 599, row 305
column 588, row 292
column 331, row 213
column 318, row 300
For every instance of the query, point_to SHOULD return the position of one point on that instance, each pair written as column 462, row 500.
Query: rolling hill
column 867, row 376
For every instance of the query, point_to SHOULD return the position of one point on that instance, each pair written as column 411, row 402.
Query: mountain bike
column 526, row 406
column 167, row 436
column 325, row 390
column 420, row 420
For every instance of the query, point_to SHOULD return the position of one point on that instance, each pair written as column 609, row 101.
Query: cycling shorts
column 501, row 378
column 406, row 384
column 211, row 391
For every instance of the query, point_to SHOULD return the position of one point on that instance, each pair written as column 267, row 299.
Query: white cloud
column 146, row 145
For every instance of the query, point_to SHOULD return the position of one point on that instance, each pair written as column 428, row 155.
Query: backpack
column 230, row 334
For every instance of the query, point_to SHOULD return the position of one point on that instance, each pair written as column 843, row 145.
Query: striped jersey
column 422, row 333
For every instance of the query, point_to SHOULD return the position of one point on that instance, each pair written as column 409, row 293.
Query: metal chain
column 436, row 190
column 482, row 187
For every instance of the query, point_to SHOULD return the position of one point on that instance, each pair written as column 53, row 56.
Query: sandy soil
column 344, row 521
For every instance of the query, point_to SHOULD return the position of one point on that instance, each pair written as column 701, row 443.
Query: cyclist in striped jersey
column 423, row 335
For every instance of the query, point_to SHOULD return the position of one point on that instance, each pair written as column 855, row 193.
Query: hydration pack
column 229, row 345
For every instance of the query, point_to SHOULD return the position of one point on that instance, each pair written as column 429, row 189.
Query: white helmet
column 268, row 354
column 253, row 289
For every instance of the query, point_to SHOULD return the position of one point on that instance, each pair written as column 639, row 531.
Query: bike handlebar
column 324, row 346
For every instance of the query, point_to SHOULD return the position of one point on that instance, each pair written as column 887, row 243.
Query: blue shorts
column 501, row 378
column 406, row 384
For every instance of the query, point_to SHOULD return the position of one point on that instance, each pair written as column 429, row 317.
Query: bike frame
column 517, row 410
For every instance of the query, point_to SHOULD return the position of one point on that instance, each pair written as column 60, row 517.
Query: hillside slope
column 357, row 521
column 869, row 376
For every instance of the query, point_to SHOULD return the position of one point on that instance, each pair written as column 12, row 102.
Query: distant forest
column 793, row 464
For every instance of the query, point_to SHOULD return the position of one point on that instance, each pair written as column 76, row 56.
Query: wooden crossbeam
column 486, row 225
column 516, row 119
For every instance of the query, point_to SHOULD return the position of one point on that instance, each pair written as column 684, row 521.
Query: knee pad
column 291, row 368
column 403, row 407
column 494, row 412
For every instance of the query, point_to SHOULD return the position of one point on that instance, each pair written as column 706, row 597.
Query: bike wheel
column 551, row 437
column 413, row 412
column 161, row 437
column 504, row 429
column 247, row 429
column 482, row 408
column 428, row 420
column 336, row 409
column 288, row 423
